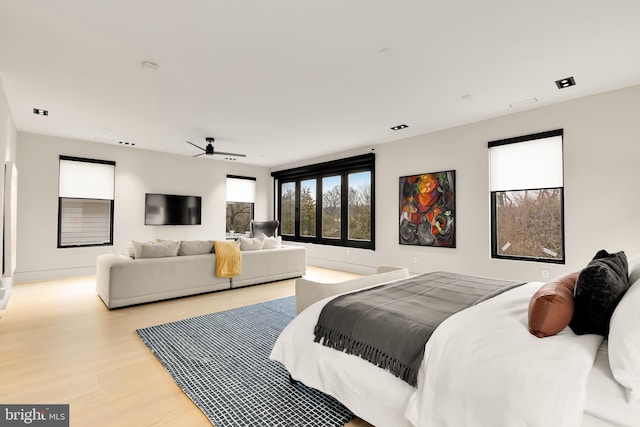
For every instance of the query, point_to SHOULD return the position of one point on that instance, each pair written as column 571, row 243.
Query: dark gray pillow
column 599, row 289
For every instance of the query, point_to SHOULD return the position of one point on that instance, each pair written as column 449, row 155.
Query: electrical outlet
column 545, row 273
column 415, row 259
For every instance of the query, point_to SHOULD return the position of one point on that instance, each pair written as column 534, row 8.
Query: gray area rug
column 221, row 362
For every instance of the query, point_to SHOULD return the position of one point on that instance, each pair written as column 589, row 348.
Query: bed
column 481, row 367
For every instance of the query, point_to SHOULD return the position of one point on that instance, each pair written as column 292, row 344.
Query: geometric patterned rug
column 221, row 362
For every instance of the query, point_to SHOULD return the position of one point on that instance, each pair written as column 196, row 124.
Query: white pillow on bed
column 624, row 342
column 634, row 268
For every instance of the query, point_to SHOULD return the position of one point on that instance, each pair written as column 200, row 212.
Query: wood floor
column 59, row 344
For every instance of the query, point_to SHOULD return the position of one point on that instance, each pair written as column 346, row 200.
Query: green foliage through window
column 330, row 203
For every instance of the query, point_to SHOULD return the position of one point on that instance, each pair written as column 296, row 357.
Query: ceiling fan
column 209, row 151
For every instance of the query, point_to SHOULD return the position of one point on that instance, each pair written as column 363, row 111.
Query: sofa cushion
column 137, row 247
column 599, row 288
column 159, row 250
column 250, row 243
column 272, row 242
column 195, row 247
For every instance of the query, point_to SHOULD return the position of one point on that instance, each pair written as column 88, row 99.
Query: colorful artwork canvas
column 427, row 209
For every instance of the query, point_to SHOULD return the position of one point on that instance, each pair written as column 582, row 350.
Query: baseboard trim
column 63, row 273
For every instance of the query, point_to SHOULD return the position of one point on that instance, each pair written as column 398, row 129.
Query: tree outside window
column 527, row 196
column 329, row 203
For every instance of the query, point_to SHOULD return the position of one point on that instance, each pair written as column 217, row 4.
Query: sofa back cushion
column 272, row 242
column 159, row 250
column 195, row 247
column 251, row 243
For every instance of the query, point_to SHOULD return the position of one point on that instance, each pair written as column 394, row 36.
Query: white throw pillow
column 137, row 246
column 634, row 268
column 159, row 250
column 195, row 247
column 272, row 242
column 251, row 243
column 624, row 342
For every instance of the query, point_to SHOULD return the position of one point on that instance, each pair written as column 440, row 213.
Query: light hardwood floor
column 60, row 344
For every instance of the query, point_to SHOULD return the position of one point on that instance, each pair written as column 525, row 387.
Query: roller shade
column 241, row 189
column 524, row 165
column 81, row 179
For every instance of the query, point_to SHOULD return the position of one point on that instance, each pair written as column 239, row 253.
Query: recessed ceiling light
column 40, row 112
column 399, row 127
column 566, row 82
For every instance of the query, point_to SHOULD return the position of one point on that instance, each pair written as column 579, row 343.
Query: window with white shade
column 85, row 202
column 241, row 195
column 527, row 197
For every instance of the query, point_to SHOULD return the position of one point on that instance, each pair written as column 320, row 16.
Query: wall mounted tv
column 170, row 209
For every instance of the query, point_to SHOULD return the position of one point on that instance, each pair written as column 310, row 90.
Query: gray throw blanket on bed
column 389, row 325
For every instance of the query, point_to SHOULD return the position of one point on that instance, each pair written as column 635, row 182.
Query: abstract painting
column 427, row 209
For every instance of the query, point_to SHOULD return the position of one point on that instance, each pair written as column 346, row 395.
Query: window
column 360, row 206
column 331, row 211
column 288, row 208
column 328, row 203
column 527, row 198
column 308, row 208
column 241, row 194
column 85, row 202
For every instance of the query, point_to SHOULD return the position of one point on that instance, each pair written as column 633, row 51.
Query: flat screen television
column 171, row 209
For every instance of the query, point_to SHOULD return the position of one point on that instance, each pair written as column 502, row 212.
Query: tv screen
column 169, row 209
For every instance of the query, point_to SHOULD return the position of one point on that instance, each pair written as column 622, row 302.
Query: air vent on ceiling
column 40, row 112
column 399, row 127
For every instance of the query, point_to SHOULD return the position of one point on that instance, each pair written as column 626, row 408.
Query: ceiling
column 286, row 80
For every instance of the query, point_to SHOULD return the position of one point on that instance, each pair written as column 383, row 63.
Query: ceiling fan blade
column 195, row 145
column 229, row 154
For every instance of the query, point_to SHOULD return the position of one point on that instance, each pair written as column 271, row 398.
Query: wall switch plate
column 545, row 273
column 415, row 259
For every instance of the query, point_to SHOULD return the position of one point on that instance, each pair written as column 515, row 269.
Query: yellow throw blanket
column 228, row 258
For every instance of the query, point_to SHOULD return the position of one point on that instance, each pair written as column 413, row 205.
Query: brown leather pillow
column 551, row 307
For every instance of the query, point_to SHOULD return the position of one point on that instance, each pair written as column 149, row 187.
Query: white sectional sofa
column 309, row 291
column 122, row 280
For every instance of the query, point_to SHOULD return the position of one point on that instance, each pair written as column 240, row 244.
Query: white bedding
column 482, row 368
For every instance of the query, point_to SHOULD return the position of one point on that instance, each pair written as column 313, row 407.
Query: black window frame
column 318, row 171
column 60, row 200
column 251, row 208
column 494, row 237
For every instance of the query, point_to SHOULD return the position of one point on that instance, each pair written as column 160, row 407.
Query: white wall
column 137, row 172
column 8, row 150
column 601, row 147
column 602, row 200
